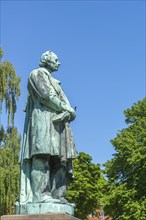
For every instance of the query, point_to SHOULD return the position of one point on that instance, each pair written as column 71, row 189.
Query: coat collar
column 54, row 82
column 49, row 75
column 46, row 71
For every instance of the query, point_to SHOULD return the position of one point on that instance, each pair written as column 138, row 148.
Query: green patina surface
column 48, row 146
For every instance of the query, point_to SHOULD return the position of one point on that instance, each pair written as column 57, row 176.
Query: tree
column 9, row 172
column 9, row 89
column 126, row 171
column 86, row 189
column 9, row 138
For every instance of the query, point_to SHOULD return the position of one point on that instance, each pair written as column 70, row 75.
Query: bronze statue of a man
column 48, row 146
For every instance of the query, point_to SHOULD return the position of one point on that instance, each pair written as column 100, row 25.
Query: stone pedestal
column 44, row 208
column 50, row 216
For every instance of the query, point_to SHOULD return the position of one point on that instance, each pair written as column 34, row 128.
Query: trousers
column 44, row 178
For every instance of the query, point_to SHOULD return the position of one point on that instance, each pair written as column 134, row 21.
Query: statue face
column 50, row 61
column 54, row 62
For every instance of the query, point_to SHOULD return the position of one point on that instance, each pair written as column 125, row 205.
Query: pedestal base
column 44, row 208
column 51, row 216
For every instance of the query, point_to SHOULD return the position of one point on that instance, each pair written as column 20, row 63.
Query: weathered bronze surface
column 48, row 146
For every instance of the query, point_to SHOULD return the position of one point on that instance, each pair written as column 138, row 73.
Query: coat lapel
column 55, row 83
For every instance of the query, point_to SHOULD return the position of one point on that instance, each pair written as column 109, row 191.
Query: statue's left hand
column 72, row 114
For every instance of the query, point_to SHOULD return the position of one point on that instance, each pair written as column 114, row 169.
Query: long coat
column 46, row 99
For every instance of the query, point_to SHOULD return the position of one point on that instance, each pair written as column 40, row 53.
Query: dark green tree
column 9, row 172
column 126, row 172
column 9, row 138
column 86, row 189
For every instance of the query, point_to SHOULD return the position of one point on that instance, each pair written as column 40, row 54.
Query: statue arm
column 40, row 85
column 71, row 110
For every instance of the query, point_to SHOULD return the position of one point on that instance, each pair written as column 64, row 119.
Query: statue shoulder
column 36, row 72
column 33, row 73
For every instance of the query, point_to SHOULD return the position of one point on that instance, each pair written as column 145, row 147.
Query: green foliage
column 9, row 88
column 9, row 139
column 126, row 189
column 9, row 171
column 86, row 189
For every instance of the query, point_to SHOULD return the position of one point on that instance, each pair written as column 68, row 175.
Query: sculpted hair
column 45, row 58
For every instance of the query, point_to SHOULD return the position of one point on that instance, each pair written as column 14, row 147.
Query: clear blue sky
column 101, row 46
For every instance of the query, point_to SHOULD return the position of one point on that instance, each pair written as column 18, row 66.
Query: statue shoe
column 63, row 200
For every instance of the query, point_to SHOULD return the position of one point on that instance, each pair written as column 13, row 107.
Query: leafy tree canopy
column 126, row 171
column 9, row 139
column 9, row 88
column 9, row 171
column 86, row 189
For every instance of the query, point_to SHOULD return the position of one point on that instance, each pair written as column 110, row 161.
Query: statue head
column 50, row 61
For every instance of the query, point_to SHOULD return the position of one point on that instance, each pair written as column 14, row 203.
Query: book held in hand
column 60, row 117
